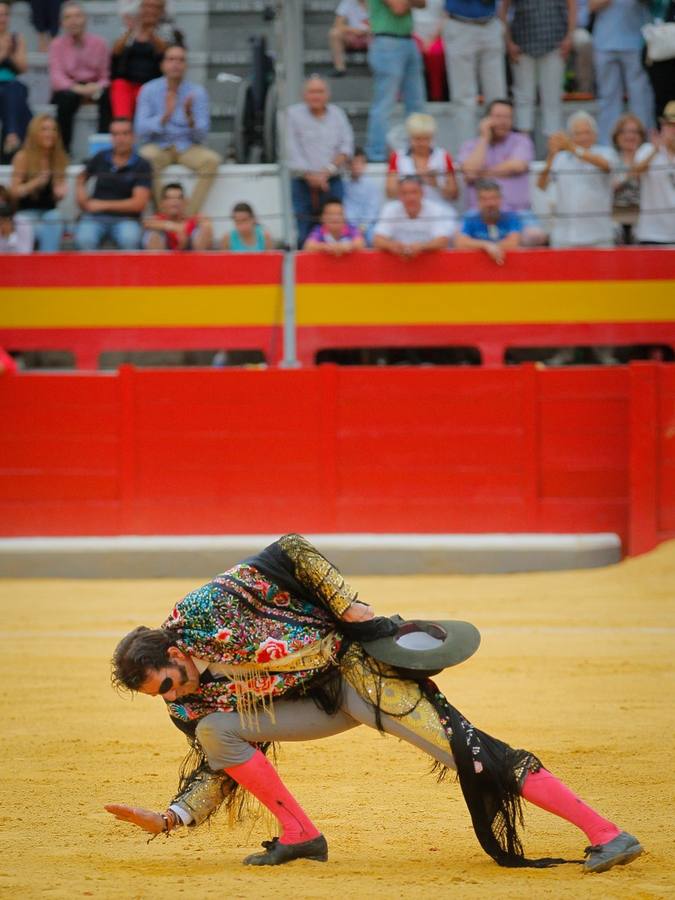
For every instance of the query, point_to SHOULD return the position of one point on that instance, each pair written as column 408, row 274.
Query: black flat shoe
column 277, row 854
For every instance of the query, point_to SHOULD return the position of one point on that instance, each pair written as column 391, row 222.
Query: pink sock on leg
column 549, row 793
column 259, row 776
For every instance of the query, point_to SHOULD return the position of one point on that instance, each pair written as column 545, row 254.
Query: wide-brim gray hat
column 424, row 647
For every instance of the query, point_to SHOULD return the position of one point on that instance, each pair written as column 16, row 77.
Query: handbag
column 660, row 40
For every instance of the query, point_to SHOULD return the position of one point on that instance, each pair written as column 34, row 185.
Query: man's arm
column 596, row 5
column 103, row 64
column 640, row 167
column 473, row 162
column 58, row 77
column 201, row 116
column 148, row 118
column 81, row 194
column 134, row 205
column 297, row 161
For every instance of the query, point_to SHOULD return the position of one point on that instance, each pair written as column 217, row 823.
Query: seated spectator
column 501, row 153
column 121, row 193
column 628, row 135
column 580, row 171
column 490, row 228
column 655, row 166
column 662, row 72
column 473, row 37
column 172, row 229
column 172, row 124
column 79, row 71
column 412, row 224
column 617, row 53
column 396, row 65
column 428, row 24
column 334, row 235
column 432, row 165
column 14, row 111
column 15, row 237
column 538, row 41
column 247, row 236
column 44, row 17
column 362, row 196
column 136, row 58
column 39, row 182
column 350, row 31
column 319, row 142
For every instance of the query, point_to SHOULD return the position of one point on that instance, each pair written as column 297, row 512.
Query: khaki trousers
column 198, row 158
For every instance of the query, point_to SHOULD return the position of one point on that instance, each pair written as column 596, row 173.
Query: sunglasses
column 165, row 685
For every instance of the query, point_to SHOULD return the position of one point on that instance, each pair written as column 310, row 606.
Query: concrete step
column 356, row 554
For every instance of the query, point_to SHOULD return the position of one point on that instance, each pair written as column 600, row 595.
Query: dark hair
column 487, row 184
column 411, row 179
column 124, row 119
column 5, row 196
column 242, row 207
column 359, row 151
column 5, row 208
column 331, row 201
column 142, row 650
column 173, row 186
column 503, row 101
column 174, row 45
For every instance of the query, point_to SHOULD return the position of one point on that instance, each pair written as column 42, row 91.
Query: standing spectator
column 473, row 36
column 136, row 58
column 628, row 135
column 412, row 224
column 44, row 16
column 350, row 31
column 335, row 235
column 581, row 174
column 538, row 41
column 655, row 166
column 172, row 229
column 490, row 228
column 15, row 237
column 582, row 44
column 662, row 72
column 120, row 195
column 432, row 165
column 428, row 25
column 79, row 71
column 617, row 52
column 362, row 196
column 39, row 182
column 247, row 236
column 505, row 155
column 397, row 69
column 172, row 123
column 14, row 111
column 319, row 142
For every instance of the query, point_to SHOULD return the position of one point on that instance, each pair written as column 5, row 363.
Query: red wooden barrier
column 341, row 449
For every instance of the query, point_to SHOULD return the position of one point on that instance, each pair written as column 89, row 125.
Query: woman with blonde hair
column 628, row 135
column 432, row 165
column 39, row 181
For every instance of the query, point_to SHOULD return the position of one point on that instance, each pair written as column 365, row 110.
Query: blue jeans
column 92, row 229
column 47, row 227
column 397, row 68
column 307, row 204
column 15, row 113
column 616, row 71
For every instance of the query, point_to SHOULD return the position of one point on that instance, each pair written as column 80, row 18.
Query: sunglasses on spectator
column 165, row 685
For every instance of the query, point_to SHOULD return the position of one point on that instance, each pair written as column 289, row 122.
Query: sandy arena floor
column 577, row 666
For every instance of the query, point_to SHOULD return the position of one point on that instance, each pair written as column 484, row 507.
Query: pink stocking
column 547, row 792
column 259, row 776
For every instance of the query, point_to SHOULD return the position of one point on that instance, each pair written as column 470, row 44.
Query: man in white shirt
column 412, row 224
column 655, row 164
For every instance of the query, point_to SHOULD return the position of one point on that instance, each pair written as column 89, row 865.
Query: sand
column 576, row 666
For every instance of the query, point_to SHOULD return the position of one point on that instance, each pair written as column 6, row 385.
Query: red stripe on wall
column 125, row 269
column 629, row 264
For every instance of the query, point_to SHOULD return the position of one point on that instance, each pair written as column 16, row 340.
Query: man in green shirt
column 396, row 65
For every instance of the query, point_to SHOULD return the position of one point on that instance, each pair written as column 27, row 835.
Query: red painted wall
column 341, row 449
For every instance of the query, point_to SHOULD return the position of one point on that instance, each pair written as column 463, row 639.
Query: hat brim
column 461, row 641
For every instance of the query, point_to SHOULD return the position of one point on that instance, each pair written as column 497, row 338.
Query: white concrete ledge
column 202, row 556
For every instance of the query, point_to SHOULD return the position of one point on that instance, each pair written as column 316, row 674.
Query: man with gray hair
column 79, row 71
column 319, row 141
column 580, row 173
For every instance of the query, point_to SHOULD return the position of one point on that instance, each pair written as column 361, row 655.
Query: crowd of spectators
column 605, row 183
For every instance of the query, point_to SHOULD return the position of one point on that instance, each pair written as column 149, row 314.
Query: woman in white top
column 432, row 165
column 580, row 174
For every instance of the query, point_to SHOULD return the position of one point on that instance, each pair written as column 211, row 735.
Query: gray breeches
column 226, row 739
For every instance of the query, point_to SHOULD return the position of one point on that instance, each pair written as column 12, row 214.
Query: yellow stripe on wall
column 120, row 307
column 486, row 302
